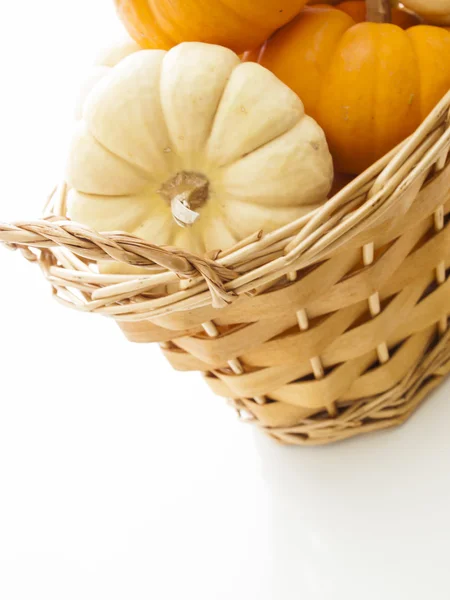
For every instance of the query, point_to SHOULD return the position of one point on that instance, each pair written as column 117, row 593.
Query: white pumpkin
column 436, row 12
column 194, row 137
column 108, row 57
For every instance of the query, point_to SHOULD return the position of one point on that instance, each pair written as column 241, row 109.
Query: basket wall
column 351, row 345
column 332, row 326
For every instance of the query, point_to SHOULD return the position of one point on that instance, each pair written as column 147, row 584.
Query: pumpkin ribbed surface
column 236, row 24
column 369, row 85
column 194, row 124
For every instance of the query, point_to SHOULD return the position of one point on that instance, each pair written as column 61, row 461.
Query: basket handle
column 119, row 246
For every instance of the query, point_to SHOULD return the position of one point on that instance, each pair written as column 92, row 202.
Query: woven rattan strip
column 332, row 326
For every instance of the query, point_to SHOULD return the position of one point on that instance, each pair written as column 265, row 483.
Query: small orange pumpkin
column 369, row 85
column 236, row 24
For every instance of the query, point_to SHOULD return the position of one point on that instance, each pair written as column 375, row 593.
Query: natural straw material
column 334, row 325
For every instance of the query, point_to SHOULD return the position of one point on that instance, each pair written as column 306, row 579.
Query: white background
column 120, row 479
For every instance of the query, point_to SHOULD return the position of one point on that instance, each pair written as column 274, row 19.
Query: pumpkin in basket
column 369, row 85
column 236, row 24
column 109, row 57
column 433, row 11
column 195, row 149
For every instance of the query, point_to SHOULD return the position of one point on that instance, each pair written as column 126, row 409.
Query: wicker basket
column 331, row 326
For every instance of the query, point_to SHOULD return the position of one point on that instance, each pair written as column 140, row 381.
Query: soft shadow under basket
column 329, row 327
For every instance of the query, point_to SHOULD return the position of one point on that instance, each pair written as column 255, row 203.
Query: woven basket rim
column 66, row 250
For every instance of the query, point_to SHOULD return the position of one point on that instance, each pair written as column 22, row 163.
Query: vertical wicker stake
column 441, row 275
column 235, row 364
column 374, row 301
column 378, row 11
column 315, row 361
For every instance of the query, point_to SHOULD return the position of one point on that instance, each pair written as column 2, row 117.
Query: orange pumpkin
column 237, row 24
column 368, row 85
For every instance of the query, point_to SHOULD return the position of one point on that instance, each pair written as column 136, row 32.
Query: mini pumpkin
column 433, row 11
column 108, row 57
column 237, row 24
column 193, row 137
column 369, row 85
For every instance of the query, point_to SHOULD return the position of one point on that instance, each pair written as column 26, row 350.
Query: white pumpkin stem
column 185, row 192
column 182, row 213
column 379, row 11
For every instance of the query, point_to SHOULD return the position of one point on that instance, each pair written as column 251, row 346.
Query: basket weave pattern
column 334, row 325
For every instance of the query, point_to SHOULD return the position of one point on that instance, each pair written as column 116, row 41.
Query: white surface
column 118, row 489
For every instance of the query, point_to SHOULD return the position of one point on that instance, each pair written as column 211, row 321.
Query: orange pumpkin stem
column 379, row 11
